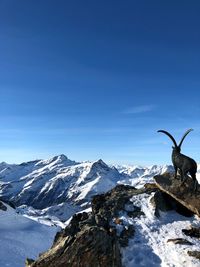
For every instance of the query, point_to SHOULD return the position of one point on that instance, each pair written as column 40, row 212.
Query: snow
column 45, row 184
column 149, row 246
column 138, row 176
column 49, row 192
column 22, row 238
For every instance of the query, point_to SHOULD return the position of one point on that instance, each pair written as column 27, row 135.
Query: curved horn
column 170, row 136
column 186, row 133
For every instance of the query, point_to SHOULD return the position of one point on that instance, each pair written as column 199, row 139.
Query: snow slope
column 149, row 246
column 21, row 237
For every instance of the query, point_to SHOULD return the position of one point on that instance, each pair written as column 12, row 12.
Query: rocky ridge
column 91, row 239
column 59, row 187
column 97, row 238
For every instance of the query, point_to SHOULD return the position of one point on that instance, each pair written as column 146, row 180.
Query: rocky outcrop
column 164, row 202
column 192, row 232
column 180, row 241
column 181, row 192
column 91, row 239
column 2, row 206
column 94, row 239
column 195, row 254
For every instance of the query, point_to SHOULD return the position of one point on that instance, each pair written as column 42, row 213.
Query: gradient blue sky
column 97, row 79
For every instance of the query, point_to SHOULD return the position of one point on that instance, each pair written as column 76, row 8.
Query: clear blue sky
column 97, row 79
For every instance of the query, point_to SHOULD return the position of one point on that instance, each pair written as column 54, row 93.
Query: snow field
column 22, row 238
column 149, row 246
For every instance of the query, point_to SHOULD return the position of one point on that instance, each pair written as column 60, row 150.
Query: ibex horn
column 186, row 133
column 170, row 136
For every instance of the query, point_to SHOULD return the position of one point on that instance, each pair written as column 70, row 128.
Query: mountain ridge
column 57, row 185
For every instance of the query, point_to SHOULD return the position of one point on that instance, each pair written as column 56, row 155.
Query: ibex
column 183, row 163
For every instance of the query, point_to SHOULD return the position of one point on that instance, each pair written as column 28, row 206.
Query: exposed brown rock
column 151, row 186
column 195, row 254
column 29, row 262
column 192, row 232
column 180, row 241
column 117, row 221
column 82, row 244
column 91, row 239
column 91, row 247
column 182, row 192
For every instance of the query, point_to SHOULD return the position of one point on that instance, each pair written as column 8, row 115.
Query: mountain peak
column 59, row 159
column 62, row 157
column 100, row 163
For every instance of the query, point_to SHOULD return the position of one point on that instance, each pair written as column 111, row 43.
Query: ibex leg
column 176, row 170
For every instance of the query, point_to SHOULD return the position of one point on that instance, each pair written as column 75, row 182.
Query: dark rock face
column 182, row 193
column 164, row 202
column 2, row 206
column 195, row 254
column 82, row 243
column 107, row 206
column 90, row 239
column 192, row 232
column 180, row 241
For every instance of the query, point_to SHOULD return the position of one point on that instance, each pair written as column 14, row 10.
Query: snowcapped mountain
column 57, row 186
column 50, row 192
column 137, row 176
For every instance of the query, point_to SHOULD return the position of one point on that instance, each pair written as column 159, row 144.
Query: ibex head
column 176, row 147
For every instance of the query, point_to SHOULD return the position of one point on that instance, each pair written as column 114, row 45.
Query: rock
column 29, row 262
column 192, row 232
column 164, row 202
column 126, row 233
column 117, row 221
column 91, row 247
column 152, row 186
column 160, row 202
column 136, row 212
column 180, row 241
column 4, row 201
column 91, row 239
column 106, row 206
column 183, row 193
column 2, row 206
column 195, row 254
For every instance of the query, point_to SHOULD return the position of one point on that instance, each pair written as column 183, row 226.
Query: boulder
column 181, row 192
column 192, row 232
column 180, row 241
column 195, row 254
